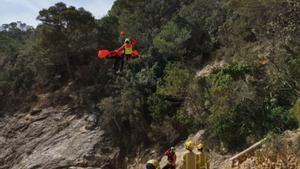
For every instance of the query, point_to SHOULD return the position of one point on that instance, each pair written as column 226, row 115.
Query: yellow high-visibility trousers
column 189, row 160
column 202, row 161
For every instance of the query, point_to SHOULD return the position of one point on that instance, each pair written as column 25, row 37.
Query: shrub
column 241, row 112
column 296, row 110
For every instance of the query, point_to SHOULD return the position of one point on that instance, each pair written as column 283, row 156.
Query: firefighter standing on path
column 202, row 158
column 171, row 158
column 189, row 158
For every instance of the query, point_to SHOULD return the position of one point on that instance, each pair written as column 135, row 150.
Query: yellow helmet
column 155, row 163
column 200, row 146
column 189, row 145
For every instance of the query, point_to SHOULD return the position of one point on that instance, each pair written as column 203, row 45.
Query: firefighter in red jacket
column 171, row 158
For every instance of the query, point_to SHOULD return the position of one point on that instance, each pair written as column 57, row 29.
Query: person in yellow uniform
column 189, row 158
column 202, row 158
column 152, row 164
column 127, row 49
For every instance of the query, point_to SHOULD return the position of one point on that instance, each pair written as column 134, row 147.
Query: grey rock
column 54, row 139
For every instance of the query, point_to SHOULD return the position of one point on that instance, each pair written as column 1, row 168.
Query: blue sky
column 27, row 10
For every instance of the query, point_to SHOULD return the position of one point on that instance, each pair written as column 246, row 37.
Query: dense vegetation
column 161, row 97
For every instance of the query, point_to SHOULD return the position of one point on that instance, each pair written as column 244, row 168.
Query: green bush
column 296, row 110
column 159, row 107
column 171, row 40
column 241, row 112
column 185, row 122
column 169, row 98
column 176, row 81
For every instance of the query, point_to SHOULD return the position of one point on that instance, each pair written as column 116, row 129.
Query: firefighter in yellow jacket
column 202, row 158
column 189, row 158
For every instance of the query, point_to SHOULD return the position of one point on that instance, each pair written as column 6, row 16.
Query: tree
column 171, row 41
column 68, row 35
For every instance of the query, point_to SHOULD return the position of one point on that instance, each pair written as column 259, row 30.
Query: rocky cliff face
column 55, row 137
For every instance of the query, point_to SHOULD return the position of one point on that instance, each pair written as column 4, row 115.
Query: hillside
column 230, row 68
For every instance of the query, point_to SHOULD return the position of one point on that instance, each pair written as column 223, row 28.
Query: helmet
column 189, row 145
column 155, row 163
column 127, row 40
column 200, row 146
